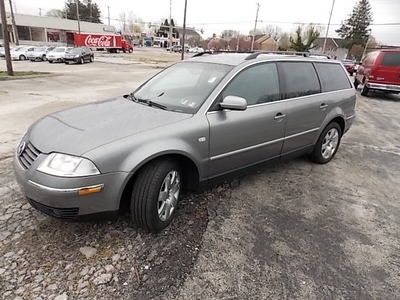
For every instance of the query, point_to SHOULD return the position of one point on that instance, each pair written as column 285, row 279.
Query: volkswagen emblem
column 21, row 148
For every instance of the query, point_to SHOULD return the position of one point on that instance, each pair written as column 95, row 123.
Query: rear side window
column 391, row 60
column 332, row 77
column 257, row 84
column 300, row 79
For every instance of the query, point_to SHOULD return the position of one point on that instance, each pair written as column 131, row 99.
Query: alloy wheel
column 330, row 143
column 169, row 195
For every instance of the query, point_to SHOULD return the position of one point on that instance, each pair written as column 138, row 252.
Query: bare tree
column 273, row 31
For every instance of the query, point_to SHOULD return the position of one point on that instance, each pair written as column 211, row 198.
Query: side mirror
column 233, row 103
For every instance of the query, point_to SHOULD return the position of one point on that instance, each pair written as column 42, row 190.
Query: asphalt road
column 292, row 230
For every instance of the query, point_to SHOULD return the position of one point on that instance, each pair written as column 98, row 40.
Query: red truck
column 113, row 43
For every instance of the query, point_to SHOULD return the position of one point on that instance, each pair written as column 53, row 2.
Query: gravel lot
column 291, row 230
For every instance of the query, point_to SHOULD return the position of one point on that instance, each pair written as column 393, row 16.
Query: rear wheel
column 43, row 57
column 365, row 91
column 356, row 83
column 327, row 144
column 155, row 195
column 22, row 57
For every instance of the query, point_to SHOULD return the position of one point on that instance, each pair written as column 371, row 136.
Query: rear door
column 242, row 138
column 306, row 106
column 387, row 68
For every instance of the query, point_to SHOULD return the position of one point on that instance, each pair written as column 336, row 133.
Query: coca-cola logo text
column 98, row 41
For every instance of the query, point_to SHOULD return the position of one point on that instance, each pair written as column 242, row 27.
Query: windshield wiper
column 146, row 101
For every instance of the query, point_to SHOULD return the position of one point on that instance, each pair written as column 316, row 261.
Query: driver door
column 243, row 138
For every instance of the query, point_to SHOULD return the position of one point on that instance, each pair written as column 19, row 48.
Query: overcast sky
column 216, row 15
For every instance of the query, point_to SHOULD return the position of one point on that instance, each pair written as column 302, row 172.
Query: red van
column 380, row 70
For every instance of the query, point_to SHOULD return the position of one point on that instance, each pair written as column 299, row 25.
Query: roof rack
column 219, row 52
column 296, row 53
column 255, row 54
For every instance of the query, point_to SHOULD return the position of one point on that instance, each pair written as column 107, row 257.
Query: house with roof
column 335, row 47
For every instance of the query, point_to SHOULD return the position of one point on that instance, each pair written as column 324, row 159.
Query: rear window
column 391, row 59
column 300, row 79
column 332, row 77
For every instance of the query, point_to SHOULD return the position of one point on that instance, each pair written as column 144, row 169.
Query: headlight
column 67, row 166
column 77, row 56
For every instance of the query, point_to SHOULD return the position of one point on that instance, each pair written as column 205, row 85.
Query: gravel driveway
column 292, row 230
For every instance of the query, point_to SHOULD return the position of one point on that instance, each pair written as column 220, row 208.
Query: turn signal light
column 90, row 190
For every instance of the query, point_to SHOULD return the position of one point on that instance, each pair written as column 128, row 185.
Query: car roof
column 235, row 59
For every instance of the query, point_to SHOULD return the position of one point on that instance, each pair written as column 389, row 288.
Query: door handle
column 279, row 116
column 323, row 106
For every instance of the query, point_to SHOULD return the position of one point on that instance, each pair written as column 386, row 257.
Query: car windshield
column 59, row 50
column 75, row 50
column 184, row 86
column 39, row 49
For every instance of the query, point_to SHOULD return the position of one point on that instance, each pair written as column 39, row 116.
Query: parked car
column 79, row 55
column 196, row 50
column 39, row 53
column 379, row 71
column 195, row 121
column 57, row 54
column 2, row 52
column 21, row 52
column 350, row 66
column 177, row 48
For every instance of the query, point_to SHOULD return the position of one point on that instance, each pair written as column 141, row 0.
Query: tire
column 81, row 61
column 130, row 50
column 356, row 83
column 319, row 155
column 365, row 91
column 22, row 57
column 91, row 59
column 44, row 58
column 146, row 206
column 50, row 61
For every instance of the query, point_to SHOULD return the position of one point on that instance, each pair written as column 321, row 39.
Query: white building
column 49, row 30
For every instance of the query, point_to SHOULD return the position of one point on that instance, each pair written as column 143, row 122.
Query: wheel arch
column 190, row 171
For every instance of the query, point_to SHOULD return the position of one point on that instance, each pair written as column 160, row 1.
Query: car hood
column 83, row 128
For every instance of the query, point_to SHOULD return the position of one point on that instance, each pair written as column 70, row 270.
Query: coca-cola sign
column 98, row 41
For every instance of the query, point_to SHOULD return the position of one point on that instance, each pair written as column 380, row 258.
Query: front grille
column 28, row 155
column 61, row 213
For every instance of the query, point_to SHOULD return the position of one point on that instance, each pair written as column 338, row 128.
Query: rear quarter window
column 391, row 59
column 332, row 77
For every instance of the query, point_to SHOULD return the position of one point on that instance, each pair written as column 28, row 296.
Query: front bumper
column 71, row 59
column 61, row 59
column 60, row 196
column 383, row 87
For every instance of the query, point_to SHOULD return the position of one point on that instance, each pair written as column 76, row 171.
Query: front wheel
column 155, row 195
column 22, row 57
column 81, row 61
column 327, row 144
column 91, row 59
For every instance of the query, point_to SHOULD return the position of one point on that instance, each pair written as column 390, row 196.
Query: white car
column 196, row 50
column 39, row 53
column 21, row 52
column 2, row 52
column 57, row 54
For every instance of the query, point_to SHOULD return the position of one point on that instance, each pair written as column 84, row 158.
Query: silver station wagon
column 195, row 121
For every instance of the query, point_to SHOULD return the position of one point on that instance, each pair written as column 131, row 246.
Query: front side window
column 332, row 77
column 184, row 86
column 391, row 60
column 258, row 84
column 300, row 79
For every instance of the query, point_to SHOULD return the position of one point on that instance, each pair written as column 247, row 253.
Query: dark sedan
column 79, row 55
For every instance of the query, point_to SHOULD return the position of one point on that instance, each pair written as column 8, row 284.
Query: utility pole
column 170, row 26
column 77, row 16
column 255, row 27
column 108, row 9
column 366, row 45
column 327, row 28
column 184, row 32
column 40, row 11
column 237, row 41
column 14, row 26
column 6, row 38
